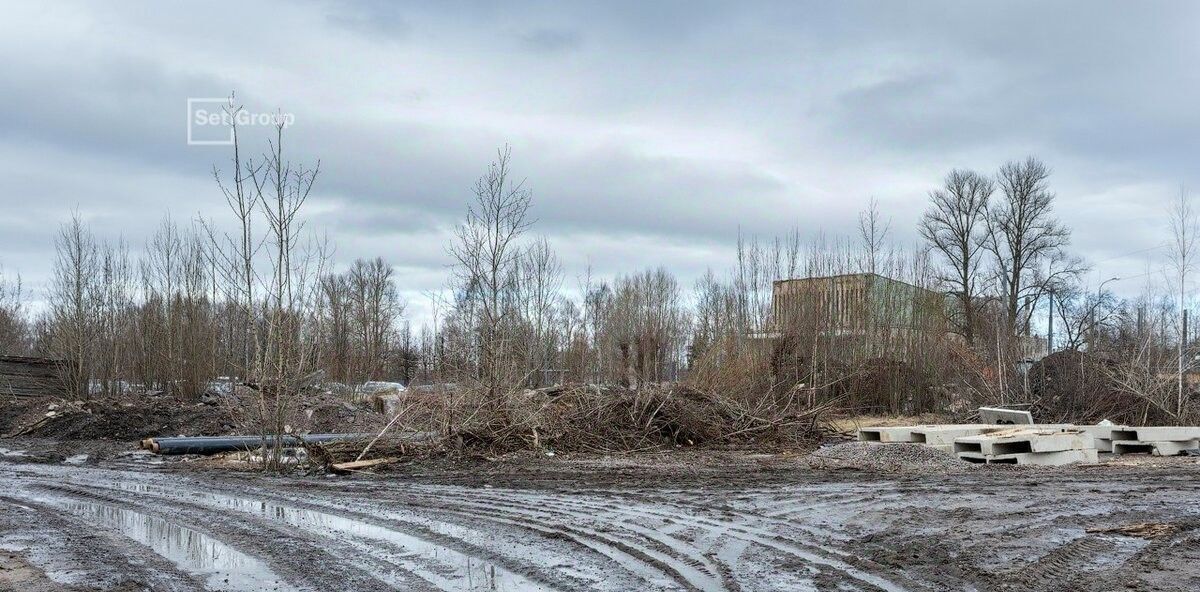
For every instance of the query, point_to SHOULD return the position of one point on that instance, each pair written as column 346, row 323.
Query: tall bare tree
column 73, row 294
column 1185, row 229
column 955, row 226
column 487, row 254
column 1024, row 236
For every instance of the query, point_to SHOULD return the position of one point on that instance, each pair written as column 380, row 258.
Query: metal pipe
column 218, row 444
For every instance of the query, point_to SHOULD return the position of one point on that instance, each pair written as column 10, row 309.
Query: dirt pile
column 866, row 456
column 142, row 416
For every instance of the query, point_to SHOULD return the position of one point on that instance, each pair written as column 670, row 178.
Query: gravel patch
column 876, row 457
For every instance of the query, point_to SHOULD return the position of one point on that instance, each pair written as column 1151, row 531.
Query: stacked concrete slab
column 935, row 436
column 940, row 436
column 1158, row 441
column 1028, row 446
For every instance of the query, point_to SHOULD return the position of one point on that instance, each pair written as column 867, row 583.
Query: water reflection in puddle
column 223, row 567
column 450, row 569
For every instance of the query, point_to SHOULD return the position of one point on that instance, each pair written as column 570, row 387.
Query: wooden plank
column 363, row 464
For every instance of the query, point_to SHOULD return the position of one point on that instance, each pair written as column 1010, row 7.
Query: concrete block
column 886, row 434
column 1156, row 433
column 996, row 416
column 944, row 435
column 1062, row 457
column 1020, row 440
column 1166, row 448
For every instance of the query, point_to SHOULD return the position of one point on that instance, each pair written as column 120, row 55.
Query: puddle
column 454, row 570
column 224, row 568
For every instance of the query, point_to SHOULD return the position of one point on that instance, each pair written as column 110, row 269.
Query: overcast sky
column 649, row 132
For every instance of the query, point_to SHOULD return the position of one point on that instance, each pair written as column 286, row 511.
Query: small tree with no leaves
column 487, row 254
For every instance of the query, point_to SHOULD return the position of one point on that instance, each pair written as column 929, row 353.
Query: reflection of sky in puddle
column 225, row 568
column 452, row 570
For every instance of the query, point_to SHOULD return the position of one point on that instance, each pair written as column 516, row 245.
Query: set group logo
column 211, row 121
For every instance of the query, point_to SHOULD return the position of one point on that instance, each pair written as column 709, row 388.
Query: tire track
column 73, row 551
column 812, row 554
column 398, row 554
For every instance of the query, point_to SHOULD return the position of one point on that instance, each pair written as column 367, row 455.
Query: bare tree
column 375, row 308
column 872, row 231
column 14, row 328
column 233, row 255
column 72, row 301
column 955, row 226
column 1023, row 236
column 541, row 279
column 487, row 257
column 1184, row 230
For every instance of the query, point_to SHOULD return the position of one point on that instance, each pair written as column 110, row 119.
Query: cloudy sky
column 650, row 133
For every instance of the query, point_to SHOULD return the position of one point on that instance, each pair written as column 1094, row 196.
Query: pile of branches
column 576, row 418
column 592, row 418
column 383, row 450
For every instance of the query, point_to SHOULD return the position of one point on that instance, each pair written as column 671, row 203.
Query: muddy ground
column 683, row 521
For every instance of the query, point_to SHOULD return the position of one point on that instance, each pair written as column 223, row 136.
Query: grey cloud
column 666, row 126
column 380, row 19
column 550, row 40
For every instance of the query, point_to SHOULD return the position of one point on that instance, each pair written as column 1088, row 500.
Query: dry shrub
column 889, row 386
column 1074, row 386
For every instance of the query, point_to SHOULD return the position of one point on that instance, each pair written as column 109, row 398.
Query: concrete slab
column 944, row 435
column 1156, row 433
column 886, row 434
column 1022, row 440
column 1170, row 448
column 1062, row 457
column 997, row 416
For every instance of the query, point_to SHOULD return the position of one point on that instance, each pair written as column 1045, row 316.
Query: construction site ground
column 86, row 515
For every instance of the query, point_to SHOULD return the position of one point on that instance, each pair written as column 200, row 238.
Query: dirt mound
column 136, row 417
column 122, row 420
column 867, row 456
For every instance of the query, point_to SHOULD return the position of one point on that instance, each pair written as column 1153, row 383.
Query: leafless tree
column 1082, row 314
column 14, row 327
column 541, row 280
column 1024, row 236
column 72, row 297
column 375, row 309
column 1184, row 230
column 487, row 255
column 955, row 226
column 872, row 231
column 233, row 254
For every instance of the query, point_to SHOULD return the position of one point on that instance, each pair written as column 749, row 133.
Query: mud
column 735, row 522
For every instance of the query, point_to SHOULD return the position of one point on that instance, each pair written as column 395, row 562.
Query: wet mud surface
column 126, row 525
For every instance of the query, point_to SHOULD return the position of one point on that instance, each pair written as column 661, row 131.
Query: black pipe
column 218, row 444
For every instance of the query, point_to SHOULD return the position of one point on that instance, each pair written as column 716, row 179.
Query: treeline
column 261, row 305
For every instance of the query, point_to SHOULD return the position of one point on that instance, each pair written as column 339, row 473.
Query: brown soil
column 129, row 419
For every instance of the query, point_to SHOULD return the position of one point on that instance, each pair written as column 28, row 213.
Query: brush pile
column 591, row 418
